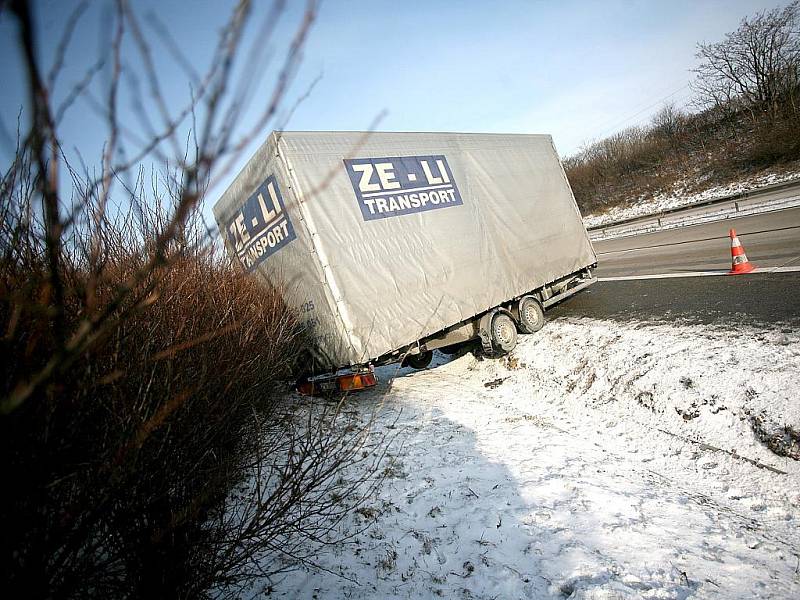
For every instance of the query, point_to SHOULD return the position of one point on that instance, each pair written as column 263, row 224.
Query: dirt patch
column 783, row 440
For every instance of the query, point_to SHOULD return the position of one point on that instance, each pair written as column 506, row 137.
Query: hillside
column 681, row 156
column 746, row 127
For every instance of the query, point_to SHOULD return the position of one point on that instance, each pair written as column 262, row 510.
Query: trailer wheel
column 419, row 361
column 531, row 315
column 504, row 333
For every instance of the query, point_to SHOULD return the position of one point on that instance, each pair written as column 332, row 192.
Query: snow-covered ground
column 599, row 460
column 679, row 197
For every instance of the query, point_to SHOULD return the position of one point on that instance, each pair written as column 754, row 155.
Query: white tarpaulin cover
column 380, row 239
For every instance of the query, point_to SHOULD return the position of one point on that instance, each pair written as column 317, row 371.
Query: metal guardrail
column 774, row 187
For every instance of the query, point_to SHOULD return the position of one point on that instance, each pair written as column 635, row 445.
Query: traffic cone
column 739, row 262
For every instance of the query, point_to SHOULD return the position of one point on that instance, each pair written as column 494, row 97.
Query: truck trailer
column 392, row 245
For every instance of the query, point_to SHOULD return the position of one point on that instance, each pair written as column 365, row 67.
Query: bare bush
column 604, row 169
column 149, row 450
column 669, row 123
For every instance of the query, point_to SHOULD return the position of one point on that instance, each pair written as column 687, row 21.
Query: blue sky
column 579, row 70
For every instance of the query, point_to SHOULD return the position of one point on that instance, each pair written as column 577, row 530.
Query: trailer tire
column 503, row 333
column 419, row 361
column 531, row 315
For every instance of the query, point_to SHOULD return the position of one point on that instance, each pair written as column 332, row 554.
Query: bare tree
column 757, row 66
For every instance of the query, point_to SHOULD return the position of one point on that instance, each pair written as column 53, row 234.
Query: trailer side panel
column 424, row 230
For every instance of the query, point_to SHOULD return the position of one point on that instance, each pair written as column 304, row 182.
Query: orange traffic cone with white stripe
column 739, row 262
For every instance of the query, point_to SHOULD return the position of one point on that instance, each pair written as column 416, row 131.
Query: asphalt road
column 770, row 240
column 755, row 299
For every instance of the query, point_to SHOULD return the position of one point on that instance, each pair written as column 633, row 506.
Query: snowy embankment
column 599, row 460
column 679, row 198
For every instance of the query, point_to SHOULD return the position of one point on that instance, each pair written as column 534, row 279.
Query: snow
column 719, row 212
column 598, row 460
column 680, row 197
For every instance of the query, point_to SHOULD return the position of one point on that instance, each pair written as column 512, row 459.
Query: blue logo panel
column 399, row 185
column 261, row 227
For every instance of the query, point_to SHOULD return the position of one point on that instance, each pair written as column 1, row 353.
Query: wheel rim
column 530, row 314
column 504, row 331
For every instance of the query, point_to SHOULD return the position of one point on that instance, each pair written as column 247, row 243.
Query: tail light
column 349, row 382
column 357, row 381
